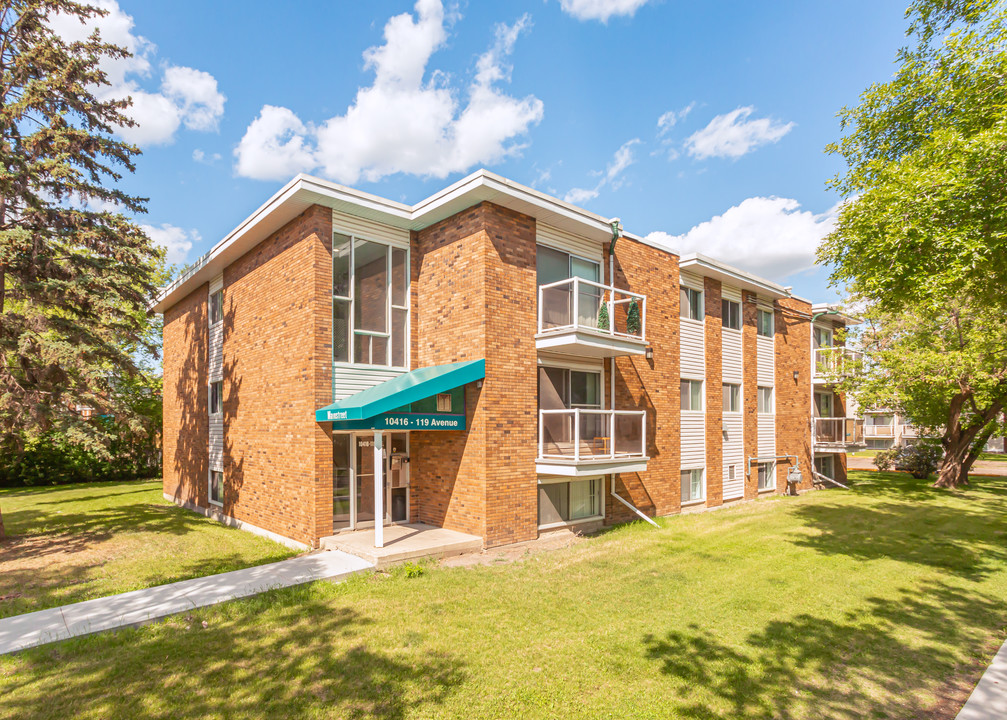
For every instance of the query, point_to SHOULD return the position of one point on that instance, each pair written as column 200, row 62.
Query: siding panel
column 568, row 242
column 693, row 440
column 693, row 362
column 767, row 435
column 217, row 442
column 734, row 454
column 351, row 380
column 731, row 355
column 368, row 229
column 766, row 368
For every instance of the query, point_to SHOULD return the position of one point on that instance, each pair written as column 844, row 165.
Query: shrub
column 919, row 459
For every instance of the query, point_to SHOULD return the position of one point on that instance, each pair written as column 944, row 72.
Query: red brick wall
column 793, row 396
column 713, row 326
column 186, row 418
column 277, row 372
column 474, row 297
column 650, row 385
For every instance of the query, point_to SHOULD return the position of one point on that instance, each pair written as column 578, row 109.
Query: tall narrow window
column 216, row 307
column 400, row 307
column 216, row 487
column 765, row 476
column 765, row 400
column 692, row 394
column 693, row 487
column 732, row 397
column 216, row 396
column 341, row 298
column 691, row 304
column 731, row 314
column 764, row 323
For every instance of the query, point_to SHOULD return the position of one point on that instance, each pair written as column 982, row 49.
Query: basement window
column 564, row 502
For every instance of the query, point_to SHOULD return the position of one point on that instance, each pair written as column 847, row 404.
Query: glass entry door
column 353, row 480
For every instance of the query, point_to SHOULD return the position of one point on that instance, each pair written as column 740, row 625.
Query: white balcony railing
column 879, row 431
column 581, row 435
column 844, row 431
column 834, row 363
column 578, row 304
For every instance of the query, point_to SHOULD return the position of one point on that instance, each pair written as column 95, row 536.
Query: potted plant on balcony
column 603, row 316
column 633, row 318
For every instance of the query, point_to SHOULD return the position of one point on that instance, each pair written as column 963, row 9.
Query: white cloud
column 732, row 135
column 401, row 123
column 176, row 241
column 187, row 96
column 769, row 236
column 600, row 9
column 671, row 118
column 612, row 176
column 200, row 156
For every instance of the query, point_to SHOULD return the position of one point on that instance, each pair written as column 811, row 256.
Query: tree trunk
column 959, row 441
column 954, row 470
column 2, row 535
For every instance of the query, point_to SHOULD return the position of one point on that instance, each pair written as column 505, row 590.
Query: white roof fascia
column 708, row 267
column 838, row 315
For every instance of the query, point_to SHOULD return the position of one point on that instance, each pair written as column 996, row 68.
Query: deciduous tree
column 922, row 240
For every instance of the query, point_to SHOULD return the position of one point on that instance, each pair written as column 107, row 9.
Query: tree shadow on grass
column 877, row 662
column 905, row 523
column 286, row 653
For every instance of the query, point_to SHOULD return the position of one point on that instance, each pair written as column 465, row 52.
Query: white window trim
column 702, row 303
column 741, row 316
column 209, row 398
column 389, row 306
column 771, row 473
column 772, row 315
column 698, row 501
column 772, row 395
column 557, row 480
column 741, row 399
column 209, row 487
column 702, row 397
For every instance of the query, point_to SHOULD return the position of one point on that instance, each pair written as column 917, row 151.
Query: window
column 764, row 323
column 693, row 487
column 732, row 397
column 691, row 304
column 216, row 396
column 823, row 404
column 730, row 312
column 824, row 466
column 557, row 302
column 216, row 307
column 370, row 302
column 216, row 487
column 765, row 400
column 444, row 402
column 731, row 470
column 569, row 501
column 560, row 388
column 692, row 394
column 765, row 475
column 823, row 337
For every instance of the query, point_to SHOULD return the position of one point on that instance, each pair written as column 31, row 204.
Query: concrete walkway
column 142, row 606
column 988, row 700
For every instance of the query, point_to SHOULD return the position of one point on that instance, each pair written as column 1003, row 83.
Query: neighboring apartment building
column 491, row 360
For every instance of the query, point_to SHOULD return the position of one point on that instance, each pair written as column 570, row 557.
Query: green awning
column 407, row 388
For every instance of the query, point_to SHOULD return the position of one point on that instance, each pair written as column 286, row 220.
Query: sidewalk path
column 988, row 700
column 141, row 606
column 981, row 467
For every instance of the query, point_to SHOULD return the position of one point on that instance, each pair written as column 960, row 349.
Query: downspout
column 616, row 234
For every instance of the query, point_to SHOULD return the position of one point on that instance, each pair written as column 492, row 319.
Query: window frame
column 597, row 501
column 216, row 307
column 759, row 314
column 209, row 489
column 349, row 301
column 218, row 386
column 759, row 404
column 702, row 483
column 702, row 399
column 568, row 372
column 735, row 395
column 695, row 302
column 769, row 468
column 726, row 306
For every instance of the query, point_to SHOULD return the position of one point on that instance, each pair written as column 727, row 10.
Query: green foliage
column 633, row 318
column 75, row 273
column 919, row 459
column 413, row 570
column 603, row 320
column 921, row 243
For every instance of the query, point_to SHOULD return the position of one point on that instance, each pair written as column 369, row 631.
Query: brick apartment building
column 491, row 360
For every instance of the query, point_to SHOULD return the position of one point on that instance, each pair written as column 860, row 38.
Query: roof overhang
column 832, row 312
column 304, row 191
column 708, row 267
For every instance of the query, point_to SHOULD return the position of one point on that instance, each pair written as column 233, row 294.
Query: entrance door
column 353, row 491
column 397, row 472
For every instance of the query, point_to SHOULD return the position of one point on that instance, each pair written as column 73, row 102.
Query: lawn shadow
column 311, row 657
column 877, row 662
column 904, row 523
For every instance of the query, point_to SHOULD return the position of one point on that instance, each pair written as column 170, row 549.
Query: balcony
column 879, row 431
column 582, row 442
column 832, row 364
column 839, row 434
column 584, row 318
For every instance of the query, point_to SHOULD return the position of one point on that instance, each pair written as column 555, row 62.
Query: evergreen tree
column 75, row 273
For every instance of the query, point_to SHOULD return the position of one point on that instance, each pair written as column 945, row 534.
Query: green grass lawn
column 77, row 542
column 885, row 601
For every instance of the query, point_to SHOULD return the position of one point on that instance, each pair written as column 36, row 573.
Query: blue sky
column 702, row 123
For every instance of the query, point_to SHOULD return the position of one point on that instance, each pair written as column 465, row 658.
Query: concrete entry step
column 414, row 541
